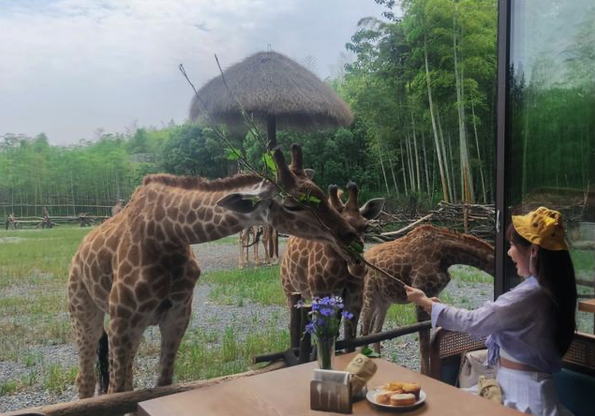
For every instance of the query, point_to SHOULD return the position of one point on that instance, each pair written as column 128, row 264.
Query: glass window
column 551, row 124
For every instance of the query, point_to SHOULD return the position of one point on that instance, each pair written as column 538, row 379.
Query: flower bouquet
column 325, row 320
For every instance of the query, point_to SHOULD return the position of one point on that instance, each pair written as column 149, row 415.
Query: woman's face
column 521, row 258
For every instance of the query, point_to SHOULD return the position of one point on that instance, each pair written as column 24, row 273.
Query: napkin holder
column 330, row 391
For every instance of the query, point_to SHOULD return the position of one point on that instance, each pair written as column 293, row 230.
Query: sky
column 71, row 67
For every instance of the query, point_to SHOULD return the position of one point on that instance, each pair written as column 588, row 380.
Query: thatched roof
column 268, row 83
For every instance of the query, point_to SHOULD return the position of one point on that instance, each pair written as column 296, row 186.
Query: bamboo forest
column 422, row 89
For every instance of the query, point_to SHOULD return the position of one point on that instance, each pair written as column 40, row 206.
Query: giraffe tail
column 103, row 363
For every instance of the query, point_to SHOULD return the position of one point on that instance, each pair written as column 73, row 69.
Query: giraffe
column 310, row 268
column 249, row 238
column 139, row 268
column 420, row 259
column 270, row 240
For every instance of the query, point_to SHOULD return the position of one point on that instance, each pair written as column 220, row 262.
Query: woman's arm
column 490, row 318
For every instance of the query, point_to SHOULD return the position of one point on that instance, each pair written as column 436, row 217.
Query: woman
column 530, row 327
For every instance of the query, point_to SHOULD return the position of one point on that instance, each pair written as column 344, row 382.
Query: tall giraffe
column 139, row 268
column 420, row 259
column 311, row 268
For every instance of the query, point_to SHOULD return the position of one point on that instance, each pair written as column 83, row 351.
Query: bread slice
column 412, row 388
column 405, row 399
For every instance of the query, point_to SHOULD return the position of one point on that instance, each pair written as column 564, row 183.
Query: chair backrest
column 446, row 348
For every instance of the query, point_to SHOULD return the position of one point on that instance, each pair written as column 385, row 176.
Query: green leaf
column 369, row 352
column 309, row 199
column 270, row 162
column 356, row 247
column 232, row 153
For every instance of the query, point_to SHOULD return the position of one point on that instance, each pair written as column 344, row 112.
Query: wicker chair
column 575, row 384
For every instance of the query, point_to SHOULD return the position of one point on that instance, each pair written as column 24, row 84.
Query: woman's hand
column 419, row 298
column 414, row 295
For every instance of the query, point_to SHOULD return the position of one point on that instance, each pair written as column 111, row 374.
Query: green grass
column 233, row 287
column 469, row 274
column 57, row 378
column 39, row 256
column 33, row 303
column 9, row 387
column 584, row 263
column 199, row 359
column 232, row 239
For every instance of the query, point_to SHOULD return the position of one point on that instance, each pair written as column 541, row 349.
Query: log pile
column 474, row 219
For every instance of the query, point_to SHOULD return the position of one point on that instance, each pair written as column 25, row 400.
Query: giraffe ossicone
column 139, row 268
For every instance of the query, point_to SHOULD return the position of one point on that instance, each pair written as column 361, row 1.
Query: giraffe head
column 357, row 217
column 294, row 205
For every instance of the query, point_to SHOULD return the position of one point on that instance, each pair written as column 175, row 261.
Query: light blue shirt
column 520, row 321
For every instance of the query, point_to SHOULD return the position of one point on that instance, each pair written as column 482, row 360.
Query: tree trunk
column 450, row 179
column 466, row 179
column 416, row 154
column 427, row 174
column 442, row 177
column 483, row 184
column 410, row 164
column 383, row 171
column 403, row 157
column 392, row 171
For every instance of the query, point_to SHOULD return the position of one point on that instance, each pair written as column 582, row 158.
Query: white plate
column 371, row 396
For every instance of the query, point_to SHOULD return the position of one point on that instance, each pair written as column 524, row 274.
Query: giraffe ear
column 372, row 208
column 309, row 173
column 240, row 203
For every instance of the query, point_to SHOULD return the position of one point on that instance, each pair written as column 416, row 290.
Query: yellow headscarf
column 542, row 227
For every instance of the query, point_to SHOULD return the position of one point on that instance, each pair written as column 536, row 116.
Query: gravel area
column 209, row 318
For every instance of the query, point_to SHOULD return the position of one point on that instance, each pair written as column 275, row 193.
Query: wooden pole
column 121, row 403
column 356, row 342
column 272, row 131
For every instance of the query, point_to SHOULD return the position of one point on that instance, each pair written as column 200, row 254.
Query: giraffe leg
column 424, row 340
column 294, row 321
column 172, row 330
column 306, row 340
column 353, row 304
column 129, row 384
column 87, row 320
column 241, row 249
column 123, row 342
column 379, row 317
column 256, row 234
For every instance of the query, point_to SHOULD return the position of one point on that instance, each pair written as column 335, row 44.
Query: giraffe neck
column 187, row 215
column 468, row 251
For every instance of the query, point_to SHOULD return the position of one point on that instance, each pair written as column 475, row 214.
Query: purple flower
column 327, row 311
column 310, row 328
column 347, row 315
column 299, row 304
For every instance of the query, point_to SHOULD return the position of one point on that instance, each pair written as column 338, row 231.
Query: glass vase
column 325, row 353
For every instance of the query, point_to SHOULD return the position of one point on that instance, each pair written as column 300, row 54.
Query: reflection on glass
column 552, row 124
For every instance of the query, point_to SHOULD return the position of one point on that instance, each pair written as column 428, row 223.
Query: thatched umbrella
column 274, row 90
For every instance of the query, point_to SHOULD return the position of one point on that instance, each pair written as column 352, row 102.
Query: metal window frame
column 502, row 138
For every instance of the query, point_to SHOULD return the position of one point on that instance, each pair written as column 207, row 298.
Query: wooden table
column 287, row 392
column 587, row 305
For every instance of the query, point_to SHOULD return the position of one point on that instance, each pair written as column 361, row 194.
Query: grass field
column 33, row 311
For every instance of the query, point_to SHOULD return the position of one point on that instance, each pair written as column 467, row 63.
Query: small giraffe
column 139, row 268
column 249, row 238
column 310, row 268
column 270, row 240
column 420, row 259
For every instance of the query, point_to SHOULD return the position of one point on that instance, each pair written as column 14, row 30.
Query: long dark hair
column 555, row 273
